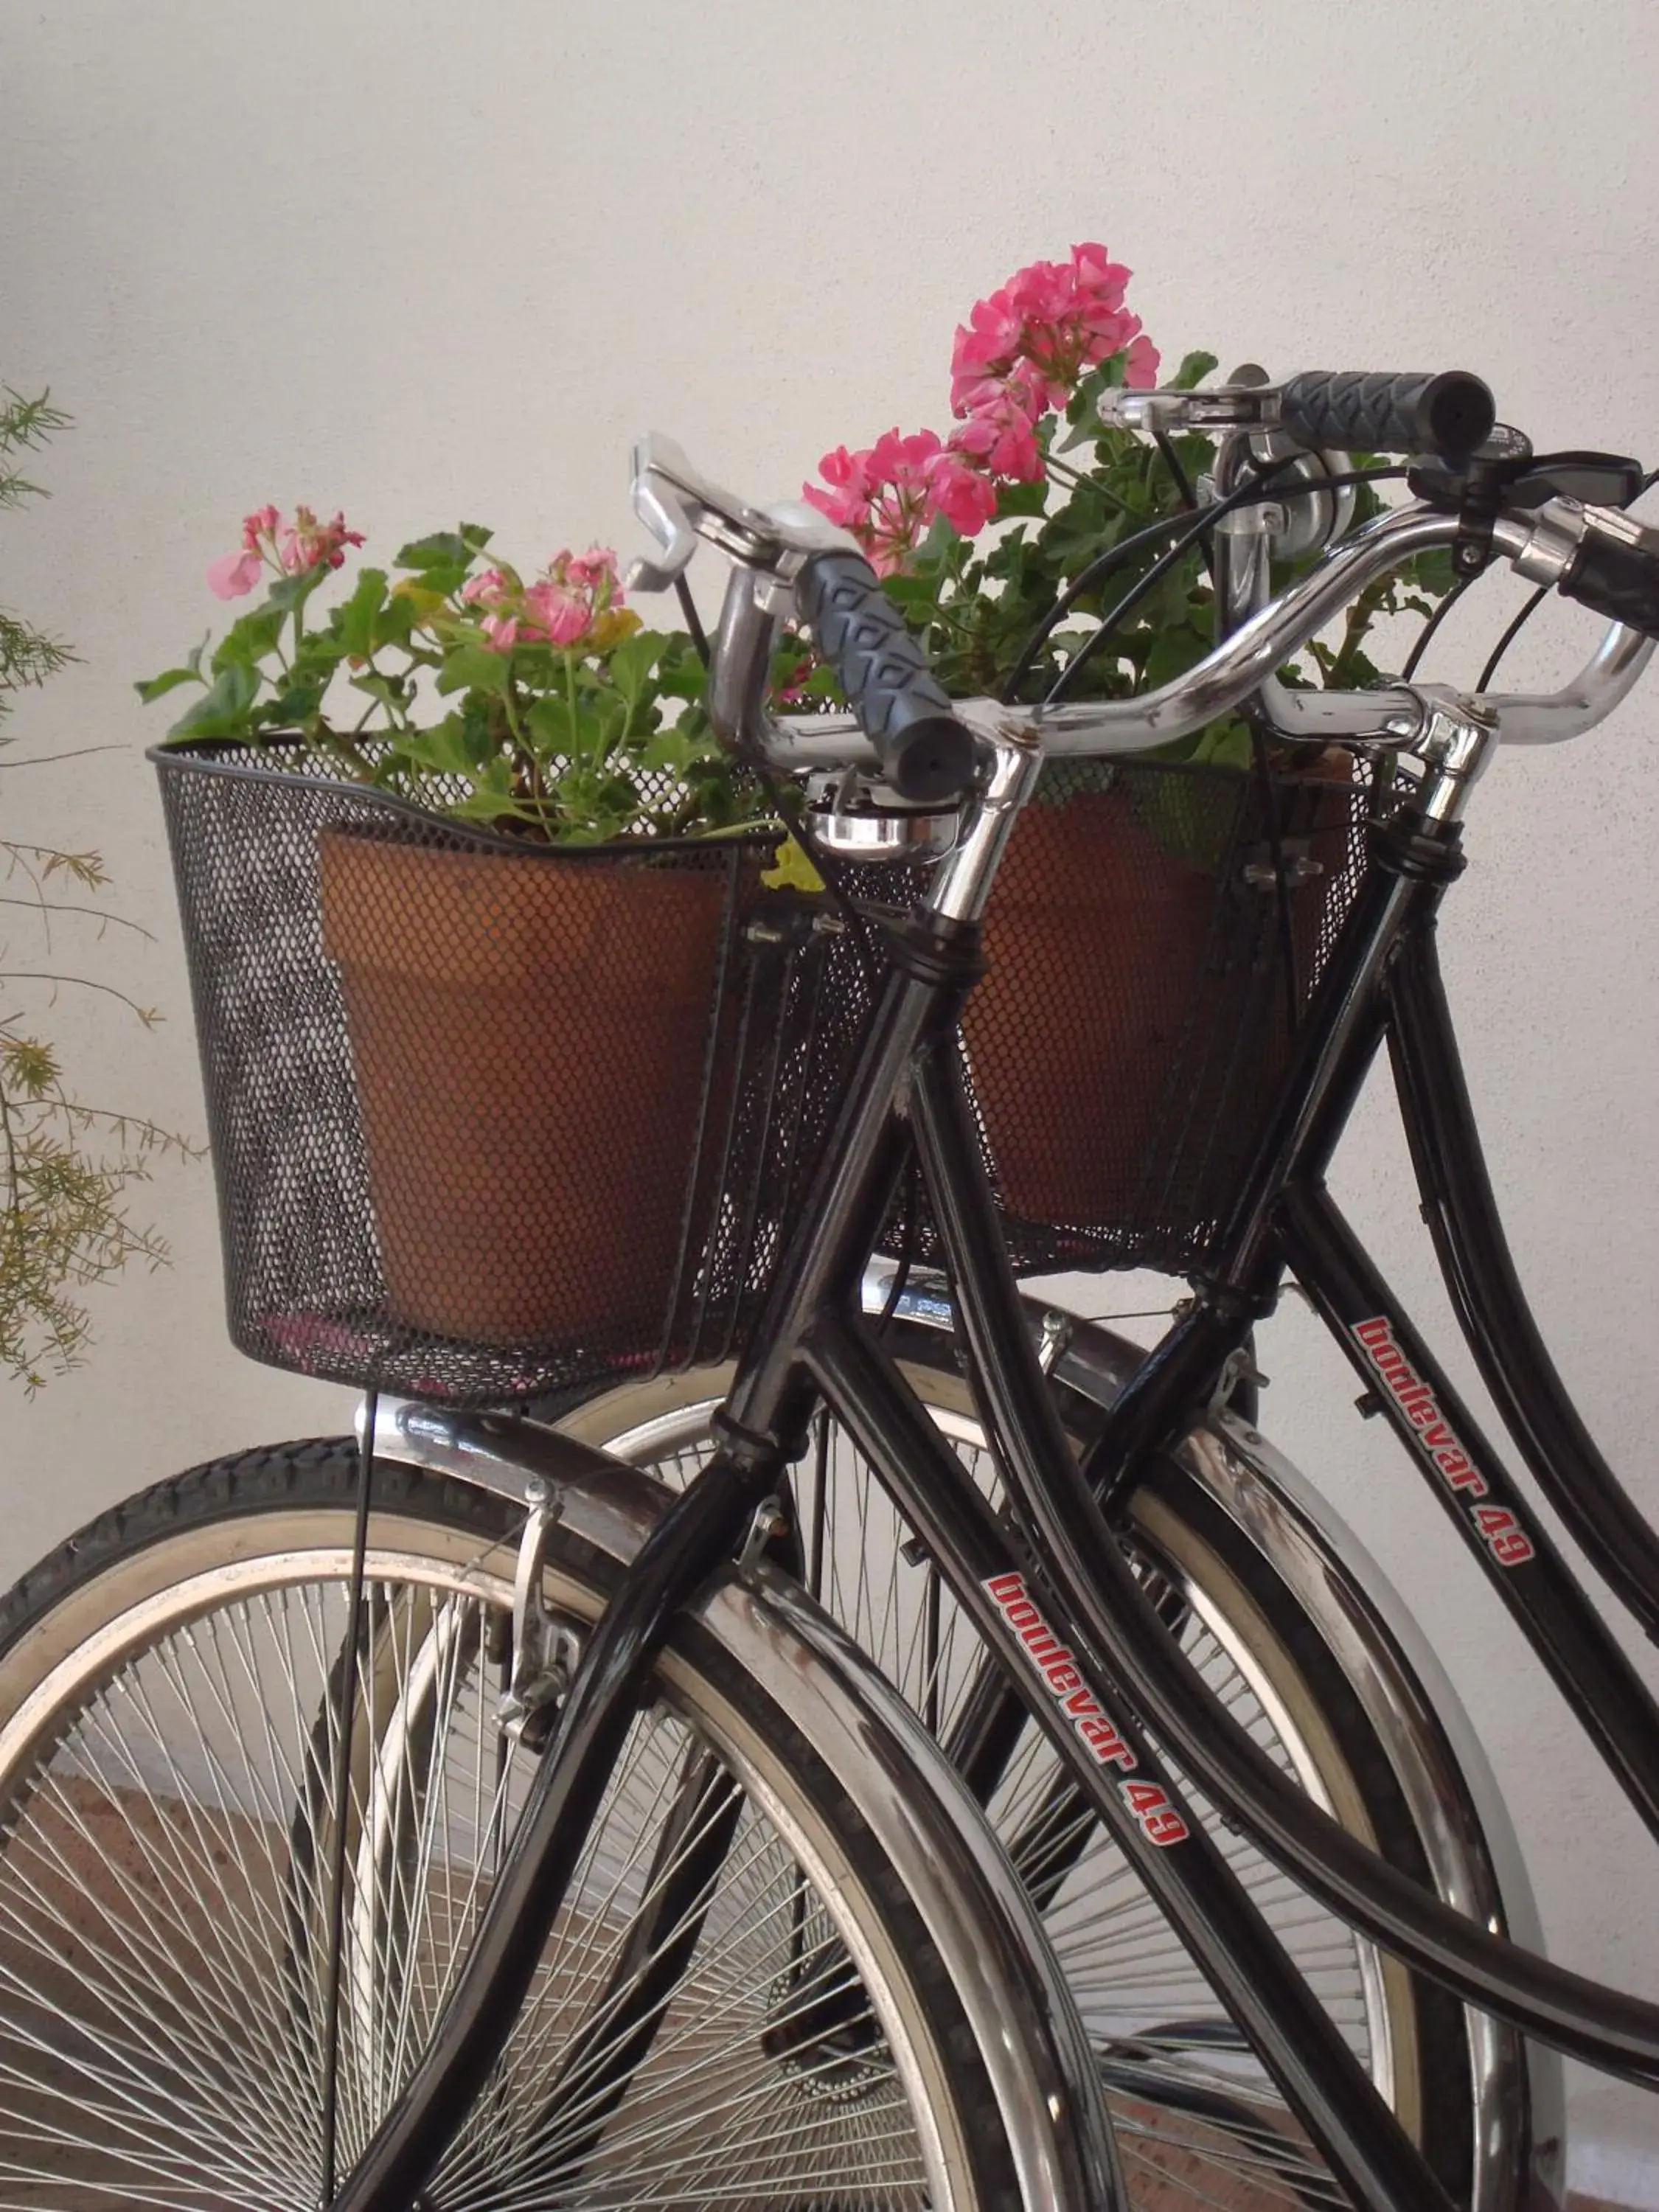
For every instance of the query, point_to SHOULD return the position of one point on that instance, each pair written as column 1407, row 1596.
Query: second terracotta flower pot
column 1131, row 1023
column 1091, row 939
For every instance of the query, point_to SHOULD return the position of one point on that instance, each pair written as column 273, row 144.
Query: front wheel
column 740, row 2003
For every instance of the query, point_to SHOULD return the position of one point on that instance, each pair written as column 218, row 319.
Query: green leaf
column 469, row 667
column 390, row 691
column 394, row 624
column 1022, row 499
column 672, row 749
column 289, row 593
column 446, row 749
column 631, row 662
column 1082, row 411
column 910, row 592
column 169, row 680
column 551, row 723
column 1194, row 368
column 353, row 623
column 223, row 711
column 319, row 653
column 445, row 548
column 294, row 706
column 251, row 638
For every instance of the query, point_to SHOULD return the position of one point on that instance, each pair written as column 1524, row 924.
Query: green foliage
column 411, row 684
column 27, row 656
column 65, row 1167
column 444, row 684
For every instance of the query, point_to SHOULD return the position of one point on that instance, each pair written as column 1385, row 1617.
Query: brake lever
column 677, row 505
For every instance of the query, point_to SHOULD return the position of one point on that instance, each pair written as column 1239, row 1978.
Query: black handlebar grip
column 925, row 753
column 1618, row 580
column 1450, row 414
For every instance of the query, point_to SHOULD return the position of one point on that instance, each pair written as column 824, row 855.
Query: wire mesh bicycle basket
column 480, row 1110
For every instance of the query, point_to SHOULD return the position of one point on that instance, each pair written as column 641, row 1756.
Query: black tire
column 165, row 1765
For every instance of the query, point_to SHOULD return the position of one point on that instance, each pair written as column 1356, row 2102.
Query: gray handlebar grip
column 925, row 753
column 1617, row 580
column 1412, row 413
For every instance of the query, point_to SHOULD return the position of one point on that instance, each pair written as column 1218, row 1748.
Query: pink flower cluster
column 1047, row 326
column 887, row 494
column 1019, row 357
column 290, row 549
column 562, row 607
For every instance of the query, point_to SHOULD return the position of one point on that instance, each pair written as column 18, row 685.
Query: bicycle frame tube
column 1405, row 1385
column 1486, row 1290
column 767, row 1410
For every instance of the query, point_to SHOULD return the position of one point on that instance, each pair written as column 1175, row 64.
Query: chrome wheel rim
column 163, row 1821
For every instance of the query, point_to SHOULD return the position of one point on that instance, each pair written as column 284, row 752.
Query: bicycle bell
column 851, row 817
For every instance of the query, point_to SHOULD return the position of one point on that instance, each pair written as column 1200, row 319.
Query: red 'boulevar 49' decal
column 1148, row 1801
column 1509, row 1544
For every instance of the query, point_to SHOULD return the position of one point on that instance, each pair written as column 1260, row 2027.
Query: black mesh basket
column 490, row 1119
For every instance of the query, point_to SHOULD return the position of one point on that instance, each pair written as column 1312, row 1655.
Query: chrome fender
column 975, row 1911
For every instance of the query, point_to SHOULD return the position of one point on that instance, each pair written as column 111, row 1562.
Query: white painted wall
column 420, row 262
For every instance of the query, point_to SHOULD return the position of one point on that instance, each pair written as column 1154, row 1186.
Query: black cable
column 1184, row 492
column 342, row 1807
column 1097, row 570
column 1113, row 620
column 1512, row 634
column 1425, row 636
column 1178, row 475
column 1253, row 493
column 693, row 619
column 1514, row 628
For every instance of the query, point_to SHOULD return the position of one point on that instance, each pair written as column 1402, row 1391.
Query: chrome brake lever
column 678, row 506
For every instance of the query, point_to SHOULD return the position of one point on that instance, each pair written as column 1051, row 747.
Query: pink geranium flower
column 287, row 549
column 234, row 576
column 561, row 608
column 1019, row 357
column 594, row 571
column 999, row 434
column 490, row 588
column 561, row 613
column 1057, row 319
column 311, row 544
column 963, row 494
column 882, row 495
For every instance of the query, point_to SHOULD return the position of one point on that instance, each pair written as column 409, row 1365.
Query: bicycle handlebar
column 909, row 731
column 1616, row 578
column 1248, row 661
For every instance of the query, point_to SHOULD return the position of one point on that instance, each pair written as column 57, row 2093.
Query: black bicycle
column 992, row 1776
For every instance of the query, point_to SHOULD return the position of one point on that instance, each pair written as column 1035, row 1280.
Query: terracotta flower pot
column 1091, row 938
column 528, row 1035
column 1122, row 1021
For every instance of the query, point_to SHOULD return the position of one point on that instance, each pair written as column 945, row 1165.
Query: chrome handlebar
column 768, row 547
